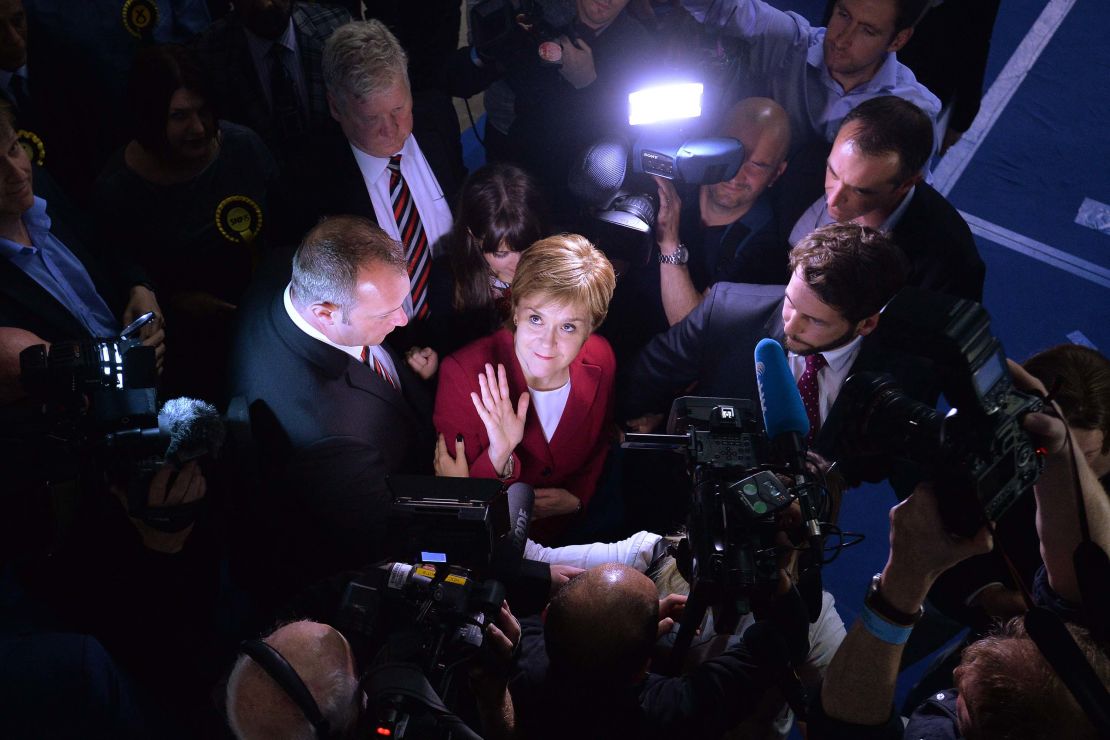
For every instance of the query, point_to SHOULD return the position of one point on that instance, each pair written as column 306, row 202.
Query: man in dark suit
column 398, row 163
column 265, row 62
column 333, row 409
column 842, row 275
column 873, row 177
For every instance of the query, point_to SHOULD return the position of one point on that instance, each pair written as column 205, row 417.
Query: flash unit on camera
column 665, row 103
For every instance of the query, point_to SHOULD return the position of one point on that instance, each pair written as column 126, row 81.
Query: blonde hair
column 567, row 269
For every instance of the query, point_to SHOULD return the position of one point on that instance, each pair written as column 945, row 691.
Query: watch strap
column 883, row 608
column 678, row 257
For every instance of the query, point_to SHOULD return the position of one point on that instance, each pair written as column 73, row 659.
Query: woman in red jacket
column 533, row 402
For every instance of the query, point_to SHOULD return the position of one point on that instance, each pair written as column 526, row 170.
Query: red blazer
column 576, row 454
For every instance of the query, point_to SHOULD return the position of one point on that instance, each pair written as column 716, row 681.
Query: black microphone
column 508, row 550
column 527, row 581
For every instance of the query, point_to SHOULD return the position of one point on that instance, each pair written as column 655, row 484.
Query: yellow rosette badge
column 239, row 219
column 32, row 144
column 140, row 17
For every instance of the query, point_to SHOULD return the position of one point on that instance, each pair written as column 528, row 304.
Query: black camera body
column 612, row 178
column 456, row 543
column 413, row 625
column 730, row 553
column 109, row 382
column 979, row 457
column 100, row 418
column 702, row 160
column 442, row 608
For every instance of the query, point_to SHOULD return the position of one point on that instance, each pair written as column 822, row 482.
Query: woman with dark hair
column 186, row 198
column 501, row 211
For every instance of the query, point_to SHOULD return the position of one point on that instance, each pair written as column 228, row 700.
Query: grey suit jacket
column 713, row 346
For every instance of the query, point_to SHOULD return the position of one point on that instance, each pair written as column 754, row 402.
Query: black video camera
column 413, row 624
column 109, row 382
column 979, row 457
column 737, row 499
column 611, row 178
column 100, row 417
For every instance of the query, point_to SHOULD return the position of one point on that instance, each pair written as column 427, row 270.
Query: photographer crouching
column 1037, row 678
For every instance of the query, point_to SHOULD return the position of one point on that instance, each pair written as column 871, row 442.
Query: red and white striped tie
column 413, row 237
column 368, row 358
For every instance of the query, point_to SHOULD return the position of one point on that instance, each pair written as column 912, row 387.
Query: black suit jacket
column 942, row 253
column 225, row 53
column 326, row 180
column 328, row 431
column 714, row 347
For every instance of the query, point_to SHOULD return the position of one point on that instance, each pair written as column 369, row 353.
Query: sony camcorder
column 611, row 177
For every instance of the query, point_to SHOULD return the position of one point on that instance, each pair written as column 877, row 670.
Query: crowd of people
column 264, row 203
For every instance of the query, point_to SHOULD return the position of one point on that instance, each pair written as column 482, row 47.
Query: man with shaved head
column 729, row 232
column 257, row 707
column 584, row 671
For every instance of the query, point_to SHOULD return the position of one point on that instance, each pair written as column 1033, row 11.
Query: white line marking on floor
column 1038, row 251
column 956, row 159
column 1078, row 337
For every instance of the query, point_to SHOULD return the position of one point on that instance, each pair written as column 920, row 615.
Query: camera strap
column 1057, row 646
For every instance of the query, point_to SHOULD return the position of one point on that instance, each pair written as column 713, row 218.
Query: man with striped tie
column 333, row 409
column 382, row 167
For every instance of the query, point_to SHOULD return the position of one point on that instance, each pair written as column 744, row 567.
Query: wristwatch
column 678, row 257
column 875, row 601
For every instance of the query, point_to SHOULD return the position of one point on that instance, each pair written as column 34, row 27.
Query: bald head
column 257, row 707
column 601, row 626
column 761, row 125
column 758, row 119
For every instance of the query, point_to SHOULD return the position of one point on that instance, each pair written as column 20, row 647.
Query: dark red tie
column 811, row 394
column 412, row 236
column 370, row 359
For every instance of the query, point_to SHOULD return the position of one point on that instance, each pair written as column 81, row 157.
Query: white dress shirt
column 435, row 213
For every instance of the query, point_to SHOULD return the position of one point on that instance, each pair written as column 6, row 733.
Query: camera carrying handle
column 407, row 681
column 275, row 664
